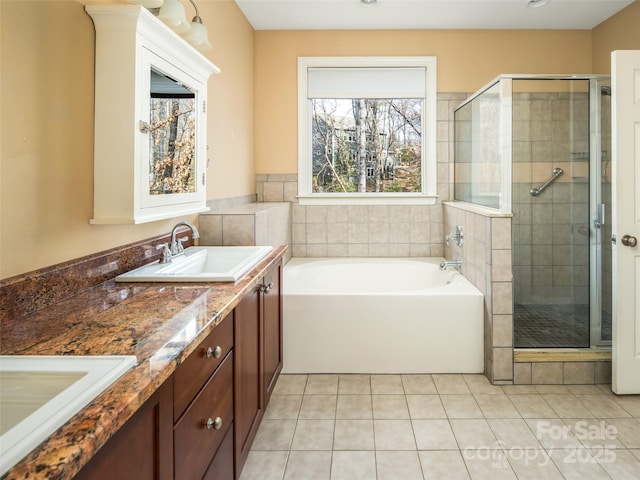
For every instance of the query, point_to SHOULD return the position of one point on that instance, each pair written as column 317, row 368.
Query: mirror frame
column 129, row 41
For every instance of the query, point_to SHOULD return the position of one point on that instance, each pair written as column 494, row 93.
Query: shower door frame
column 596, row 205
column 595, row 192
column 595, row 178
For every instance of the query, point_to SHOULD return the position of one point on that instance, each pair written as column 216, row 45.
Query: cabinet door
column 143, row 448
column 248, row 399
column 272, row 324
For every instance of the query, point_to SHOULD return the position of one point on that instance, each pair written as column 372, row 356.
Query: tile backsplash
column 262, row 223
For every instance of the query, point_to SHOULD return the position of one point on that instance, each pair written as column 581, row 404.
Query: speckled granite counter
column 159, row 323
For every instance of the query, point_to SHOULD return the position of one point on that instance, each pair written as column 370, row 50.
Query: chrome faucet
column 457, row 263
column 176, row 247
column 457, row 236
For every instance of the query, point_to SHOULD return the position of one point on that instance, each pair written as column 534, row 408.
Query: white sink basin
column 201, row 264
column 38, row 394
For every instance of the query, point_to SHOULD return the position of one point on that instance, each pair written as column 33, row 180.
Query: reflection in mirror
column 172, row 148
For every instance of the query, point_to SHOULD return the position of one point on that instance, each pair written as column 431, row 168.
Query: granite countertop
column 159, row 323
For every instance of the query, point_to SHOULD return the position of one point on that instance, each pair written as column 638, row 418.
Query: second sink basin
column 38, row 394
column 201, row 264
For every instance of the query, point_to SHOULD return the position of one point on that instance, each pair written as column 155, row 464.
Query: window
column 366, row 130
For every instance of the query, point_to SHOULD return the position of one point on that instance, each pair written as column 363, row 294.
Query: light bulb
column 197, row 35
column 172, row 14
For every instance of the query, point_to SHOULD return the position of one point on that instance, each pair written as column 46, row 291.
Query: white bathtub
column 380, row 315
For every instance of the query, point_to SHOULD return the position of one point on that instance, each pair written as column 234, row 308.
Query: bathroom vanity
column 187, row 429
column 208, row 357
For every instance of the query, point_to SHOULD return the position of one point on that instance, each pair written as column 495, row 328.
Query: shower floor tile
column 539, row 326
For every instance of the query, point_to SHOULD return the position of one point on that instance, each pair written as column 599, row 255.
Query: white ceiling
column 426, row 14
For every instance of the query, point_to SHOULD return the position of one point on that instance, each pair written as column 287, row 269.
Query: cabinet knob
column 266, row 288
column 215, row 352
column 216, row 423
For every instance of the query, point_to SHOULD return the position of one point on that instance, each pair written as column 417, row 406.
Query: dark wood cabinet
column 221, row 467
column 200, row 431
column 248, row 395
column 272, row 326
column 201, row 423
column 143, row 448
column 203, row 406
column 258, row 357
column 194, row 372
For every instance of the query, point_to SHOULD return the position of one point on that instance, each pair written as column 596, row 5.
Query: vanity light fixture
column 537, row 3
column 172, row 13
column 197, row 34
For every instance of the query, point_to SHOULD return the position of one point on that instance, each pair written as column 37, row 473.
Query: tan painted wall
column 46, row 100
column 46, row 144
column 620, row 32
column 231, row 129
column 467, row 59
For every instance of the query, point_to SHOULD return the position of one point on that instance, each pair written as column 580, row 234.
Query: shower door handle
column 600, row 219
column 629, row 241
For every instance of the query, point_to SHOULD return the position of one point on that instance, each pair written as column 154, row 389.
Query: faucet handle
column 176, row 247
column 179, row 242
column 166, row 252
column 457, row 236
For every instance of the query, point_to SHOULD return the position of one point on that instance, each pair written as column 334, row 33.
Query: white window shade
column 393, row 82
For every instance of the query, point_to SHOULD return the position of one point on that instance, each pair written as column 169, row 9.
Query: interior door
column 625, row 79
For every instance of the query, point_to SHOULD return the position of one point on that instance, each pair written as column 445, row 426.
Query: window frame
column 428, row 196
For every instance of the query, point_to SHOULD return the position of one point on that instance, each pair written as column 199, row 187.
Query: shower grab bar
column 537, row 191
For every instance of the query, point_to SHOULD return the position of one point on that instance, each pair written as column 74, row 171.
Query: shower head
column 605, row 90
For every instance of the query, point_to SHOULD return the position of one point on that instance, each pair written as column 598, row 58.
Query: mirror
column 150, row 121
column 172, row 139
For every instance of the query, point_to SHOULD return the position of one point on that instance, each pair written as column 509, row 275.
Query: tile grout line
column 473, row 393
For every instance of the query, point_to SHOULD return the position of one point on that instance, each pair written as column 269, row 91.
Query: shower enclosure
column 540, row 148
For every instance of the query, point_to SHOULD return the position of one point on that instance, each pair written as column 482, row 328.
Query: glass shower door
column 551, row 205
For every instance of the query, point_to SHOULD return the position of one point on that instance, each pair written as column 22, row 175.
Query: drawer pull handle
column 216, row 423
column 214, row 352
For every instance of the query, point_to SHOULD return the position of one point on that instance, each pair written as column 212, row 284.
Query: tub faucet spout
column 176, row 243
column 457, row 263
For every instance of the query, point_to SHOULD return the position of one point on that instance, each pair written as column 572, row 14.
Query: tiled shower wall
column 373, row 230
column 486, row 261
column 551, row 230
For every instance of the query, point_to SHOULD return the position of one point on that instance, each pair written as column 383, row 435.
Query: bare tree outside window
column 367, row 145
column 173, row 144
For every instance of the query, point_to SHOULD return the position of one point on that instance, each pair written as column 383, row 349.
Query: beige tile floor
column 404, row 427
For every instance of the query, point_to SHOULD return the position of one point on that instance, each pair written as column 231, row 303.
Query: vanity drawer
column 201, row 429
column 192, row 374
column 221, row 467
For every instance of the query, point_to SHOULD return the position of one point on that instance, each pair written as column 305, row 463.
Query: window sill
column 367, row 199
